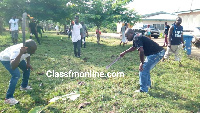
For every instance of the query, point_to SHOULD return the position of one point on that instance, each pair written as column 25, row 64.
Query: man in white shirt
column 77, row 36
column 14, row 57
column 14, row 29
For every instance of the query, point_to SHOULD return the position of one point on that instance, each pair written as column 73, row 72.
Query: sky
column 170, row 6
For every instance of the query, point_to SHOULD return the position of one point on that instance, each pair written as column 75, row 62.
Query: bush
column 161, row 35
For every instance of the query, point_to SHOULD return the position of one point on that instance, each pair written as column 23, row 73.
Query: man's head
column 165, row 23
column 129, row 34
column 82, row 23
column 125, row 24
column 32, row 46
column 178, row 21
column 76, row 19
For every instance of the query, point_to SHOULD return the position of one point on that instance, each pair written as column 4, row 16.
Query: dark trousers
column 36, row 36
column 77, row 46
column 82, row 42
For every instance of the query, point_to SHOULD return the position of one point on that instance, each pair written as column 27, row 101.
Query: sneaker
column 26, row 88
column 11, row 101
column 138, row 91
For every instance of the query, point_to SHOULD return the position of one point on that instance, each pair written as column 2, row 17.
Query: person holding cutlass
column 14, row 57
column 146, row 47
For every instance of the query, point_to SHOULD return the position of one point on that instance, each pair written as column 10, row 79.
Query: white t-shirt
column 57, row 28
column 76, row 32
column 148, row 29
column 12, row 52
column 14, row 24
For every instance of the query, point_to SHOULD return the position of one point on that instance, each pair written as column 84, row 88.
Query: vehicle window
column 162, row 27
column 188, row 30
column 145, row 26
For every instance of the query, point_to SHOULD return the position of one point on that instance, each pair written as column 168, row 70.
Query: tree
column 61, row 11
column 10, row 8
column 99, row 11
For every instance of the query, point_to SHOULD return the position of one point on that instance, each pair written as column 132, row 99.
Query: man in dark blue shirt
column 175, row 40
column 166, row 34
column 146, row 47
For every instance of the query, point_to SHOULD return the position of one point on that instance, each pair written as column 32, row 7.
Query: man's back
column 32, row 26
column 150, row 47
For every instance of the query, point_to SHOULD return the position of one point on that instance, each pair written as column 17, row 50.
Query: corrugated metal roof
column 169, row 17
column 188, row 11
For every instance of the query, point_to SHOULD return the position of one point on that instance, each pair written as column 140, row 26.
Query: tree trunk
column 98, row 35
column 1, row 25
column 65, row 29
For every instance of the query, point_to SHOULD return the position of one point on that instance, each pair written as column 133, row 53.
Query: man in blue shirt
column 146, row 47
column 166, row 34
column 175, row 40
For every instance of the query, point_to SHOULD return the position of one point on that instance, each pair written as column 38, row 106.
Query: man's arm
column 28, row 65
column 81, row 31
column 141, row 52
column 86, row 31
column 42, row 29
column 29, row 27
column 36, row 27
column 28, row 60
column 170, row 35
column 15, row 62
column 182, row 38
column 127, row 51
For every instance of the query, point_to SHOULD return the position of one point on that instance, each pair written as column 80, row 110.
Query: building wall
column 190, row 20
column 158, row 23
column 120, row 24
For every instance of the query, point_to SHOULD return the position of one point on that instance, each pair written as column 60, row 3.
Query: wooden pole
column 24, row 15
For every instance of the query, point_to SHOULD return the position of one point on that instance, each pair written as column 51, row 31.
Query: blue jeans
column 15, row 76
column 149, row 63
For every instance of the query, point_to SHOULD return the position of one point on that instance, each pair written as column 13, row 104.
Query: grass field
column 174, row 89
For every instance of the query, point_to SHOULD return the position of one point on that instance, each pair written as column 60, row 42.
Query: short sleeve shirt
column 12, row 52
column 14, row 24
column 32, row 26
column 150, row 47
column 76, row 32
column 166, row 29
column 176, row 35
column 84, row 30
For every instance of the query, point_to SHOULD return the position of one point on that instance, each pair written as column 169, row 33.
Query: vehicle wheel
column 155, row 36
column 197, row 44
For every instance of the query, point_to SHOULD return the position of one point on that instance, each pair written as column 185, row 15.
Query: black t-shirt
column 32, row 26
column 166, row 29
column 150, row 47
column 176, row 35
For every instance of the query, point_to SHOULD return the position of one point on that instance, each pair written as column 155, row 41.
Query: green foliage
column 162, row 35
column 101, row 11
column 112, row 11
column 10, row 8
column 56, row 10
